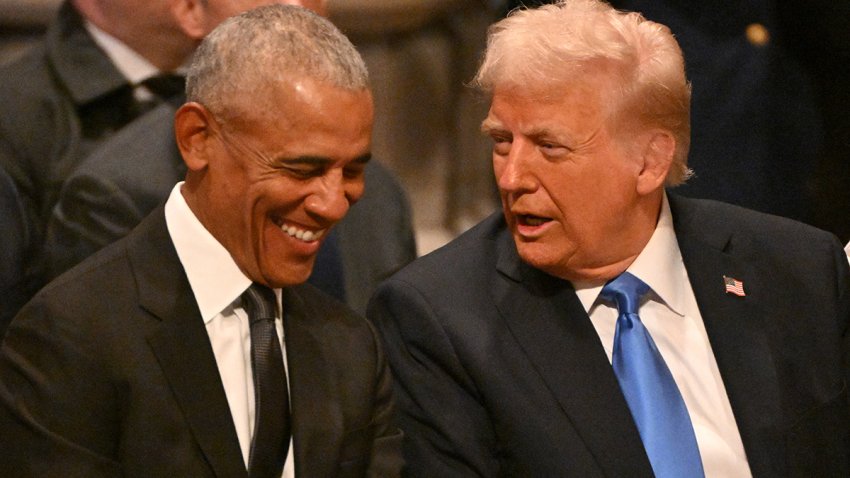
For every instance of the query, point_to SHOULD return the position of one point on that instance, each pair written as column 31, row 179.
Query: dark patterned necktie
column 656, row 404
column 270, row 443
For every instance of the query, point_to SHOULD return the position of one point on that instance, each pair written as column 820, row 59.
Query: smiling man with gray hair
column 192, row 347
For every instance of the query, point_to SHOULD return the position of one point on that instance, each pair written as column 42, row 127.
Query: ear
column 657, row 154
column 194, row 134
column 191, row 15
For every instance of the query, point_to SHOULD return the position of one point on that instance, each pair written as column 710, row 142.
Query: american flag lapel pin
column 734, row 286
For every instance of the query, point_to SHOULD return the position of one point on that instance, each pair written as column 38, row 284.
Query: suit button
column 757, row 34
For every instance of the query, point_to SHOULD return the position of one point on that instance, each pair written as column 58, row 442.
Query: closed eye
column 354, row 170
column 302, row 171
column 553, row 150
column 501, row 144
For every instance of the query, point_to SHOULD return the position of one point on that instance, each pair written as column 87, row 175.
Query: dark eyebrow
column 363, row 159
column 321, row 161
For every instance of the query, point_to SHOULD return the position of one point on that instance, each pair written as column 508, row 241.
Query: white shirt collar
column 215, row 278
column 847, row 250
column 658, row 265
column 133, row 66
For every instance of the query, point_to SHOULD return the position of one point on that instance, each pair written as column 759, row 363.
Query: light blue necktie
column 651, row 393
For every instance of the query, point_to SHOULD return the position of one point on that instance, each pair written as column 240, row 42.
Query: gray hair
column 552, row 45
column 265, row 46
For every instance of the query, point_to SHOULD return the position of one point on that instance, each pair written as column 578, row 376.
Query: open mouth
column 302, row 234
column 531, row 220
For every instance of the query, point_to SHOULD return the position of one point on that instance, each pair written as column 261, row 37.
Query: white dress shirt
column 217, row 283
column 673, row 319
column 847, row 250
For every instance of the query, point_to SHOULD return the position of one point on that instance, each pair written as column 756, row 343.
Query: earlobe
column 658, row 153
column 191, row 16
column 192, row 130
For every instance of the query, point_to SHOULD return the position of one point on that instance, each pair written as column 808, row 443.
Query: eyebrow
column 489, row 125
column 322, row 161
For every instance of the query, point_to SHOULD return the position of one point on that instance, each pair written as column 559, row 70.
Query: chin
column 281, row 277
column 543, row 258
column 534, row 255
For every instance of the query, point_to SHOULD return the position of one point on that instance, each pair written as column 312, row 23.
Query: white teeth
column 301, row 234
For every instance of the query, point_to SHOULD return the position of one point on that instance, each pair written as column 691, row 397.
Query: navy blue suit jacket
column 500, row 372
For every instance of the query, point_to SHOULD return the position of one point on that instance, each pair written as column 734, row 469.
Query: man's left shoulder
column 710, row 217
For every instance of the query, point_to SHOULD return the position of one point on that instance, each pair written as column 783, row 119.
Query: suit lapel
column 736, row 328
column 182, row 347
column 551, row 326
column 316, row 414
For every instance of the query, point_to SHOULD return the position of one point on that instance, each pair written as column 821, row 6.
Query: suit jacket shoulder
column 110, row 371
column 780, row 348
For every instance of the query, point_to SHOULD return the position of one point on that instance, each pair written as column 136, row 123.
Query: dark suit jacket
column 59, row 100
column 109, row 371
column 499, row 371
column 132, row 172
column 18, row 241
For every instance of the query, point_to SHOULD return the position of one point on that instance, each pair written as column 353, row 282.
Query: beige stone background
column 421, row 54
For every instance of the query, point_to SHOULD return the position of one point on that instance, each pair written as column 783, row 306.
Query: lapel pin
column 734, row 286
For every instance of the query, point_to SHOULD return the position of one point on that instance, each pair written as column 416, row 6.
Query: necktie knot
column 259, row 302
column 626, row 291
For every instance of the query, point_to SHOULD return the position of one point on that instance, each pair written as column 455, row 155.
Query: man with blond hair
column 601, row 325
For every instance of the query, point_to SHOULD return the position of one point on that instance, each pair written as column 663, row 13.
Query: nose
column 333, row 195
column 513, row 174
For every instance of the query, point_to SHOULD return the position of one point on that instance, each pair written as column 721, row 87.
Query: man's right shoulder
column 473, row 252
column 112, row 270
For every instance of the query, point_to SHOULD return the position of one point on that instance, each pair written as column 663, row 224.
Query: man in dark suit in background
column 83, row 83
column 66, row 95
column 602, row 326
column 141, row 360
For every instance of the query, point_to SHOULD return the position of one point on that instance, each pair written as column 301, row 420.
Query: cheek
column 354, row 189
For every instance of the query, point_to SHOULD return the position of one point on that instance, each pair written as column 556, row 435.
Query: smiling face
column 574, row 196
column 270, row 187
